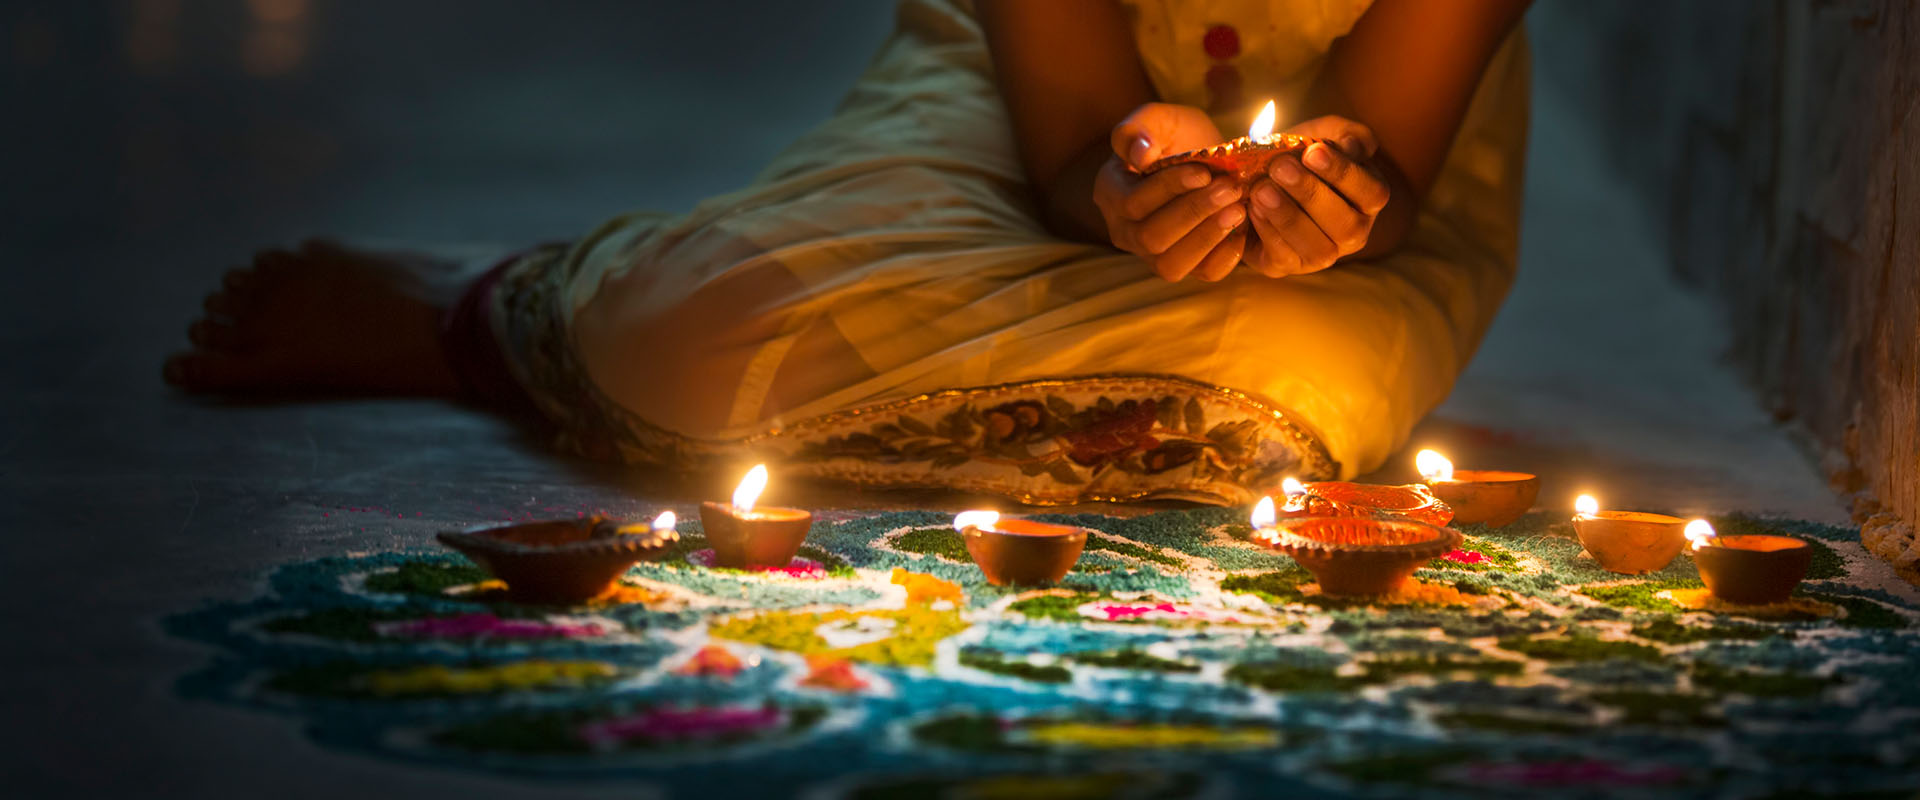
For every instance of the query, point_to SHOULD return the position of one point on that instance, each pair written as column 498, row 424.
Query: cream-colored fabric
column 893, row 252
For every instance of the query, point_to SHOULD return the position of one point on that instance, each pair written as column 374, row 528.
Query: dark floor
column 151, row 145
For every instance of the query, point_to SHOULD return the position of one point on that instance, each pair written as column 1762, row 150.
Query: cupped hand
column 1182, row 220
column 1319, row 206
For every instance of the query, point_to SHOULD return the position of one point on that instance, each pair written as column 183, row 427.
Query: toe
column 238, row 281
column 224, row 304
column 270, row 263
column 212, row 335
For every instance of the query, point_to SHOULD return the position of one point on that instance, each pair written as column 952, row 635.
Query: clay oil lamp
column 1347, row 499
column 1627, row 542
column 1353, row 556
column 1491, row 497
column 745, row 536
column 1019, row 552
column 1245, row 158
column 1753, row 569
column 562, row 561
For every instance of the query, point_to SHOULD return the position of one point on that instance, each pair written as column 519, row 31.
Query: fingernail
column 1232, row 217
column 1225, row 193
column 1196, row 179
column 1289, row 171
column 1353, row 147
column 1267, row 196
column 1138, row 152
column 1317, row 157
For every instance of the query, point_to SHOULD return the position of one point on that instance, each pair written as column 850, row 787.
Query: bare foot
column 322, row 318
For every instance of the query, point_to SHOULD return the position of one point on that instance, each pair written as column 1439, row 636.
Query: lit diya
column 1353, row 555
column 1491, row 497
column 1019, row 552
column 744, row 536
column 1346, row 499
column 562, row 561
column 1748, row 568
column 1245, row 158
column 1627, row 542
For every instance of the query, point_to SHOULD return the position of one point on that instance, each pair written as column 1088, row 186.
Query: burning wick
column 1586, row 506
column 1433, row 466
column 748, row 492
column 1296, row 494
column 665, row 522
column 984, row 520
column 1700, row 533
column 1261, row 130
column 1263, row 517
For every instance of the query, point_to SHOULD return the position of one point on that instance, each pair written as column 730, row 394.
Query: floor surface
column 152, row 147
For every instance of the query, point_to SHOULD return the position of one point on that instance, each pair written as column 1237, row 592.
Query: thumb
column 1140, row 139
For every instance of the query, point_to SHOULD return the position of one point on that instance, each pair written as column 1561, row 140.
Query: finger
column 1269, row 252
column 1356, row 139
column 1296, row 228
column 1359, row 185
column 1162, row 187
column 1193, row 249
column 1138, row 139
column 1224, row 256
column 1164, row 227
column 1344, row 226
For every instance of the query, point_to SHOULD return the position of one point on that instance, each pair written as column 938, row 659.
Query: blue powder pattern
column 1278, row 697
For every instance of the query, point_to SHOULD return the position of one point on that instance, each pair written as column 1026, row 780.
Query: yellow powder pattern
column 517, row 676
column 1130, row 737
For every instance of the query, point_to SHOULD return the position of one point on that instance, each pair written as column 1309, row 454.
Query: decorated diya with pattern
column 561, row 562
column 1347, row 499
column 1244, row 158
column 1354, row 555
column 1019, row 552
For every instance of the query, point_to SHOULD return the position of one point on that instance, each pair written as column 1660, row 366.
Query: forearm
column 1395, row 221
column 1066, row 204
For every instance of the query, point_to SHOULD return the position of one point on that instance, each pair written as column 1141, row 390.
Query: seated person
column 970, row 278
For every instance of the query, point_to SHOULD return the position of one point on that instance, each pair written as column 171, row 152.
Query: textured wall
column 1778, row 146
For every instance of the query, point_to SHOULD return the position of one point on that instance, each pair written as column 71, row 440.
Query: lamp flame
column 1433, row 466
column 984, row 520
column 1700, row 532
column 750, row 488
column 1262, row 128
column 1263, row 516
column 1586, row 506
column 665, row 522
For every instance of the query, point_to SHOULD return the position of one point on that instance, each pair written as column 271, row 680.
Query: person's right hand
column 1182, row 220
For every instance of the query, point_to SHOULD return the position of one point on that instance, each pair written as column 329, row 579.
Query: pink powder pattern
column 1568, row 773
column 680, row 724
column 802, row 568
column 488, row 626
column 1467, row 557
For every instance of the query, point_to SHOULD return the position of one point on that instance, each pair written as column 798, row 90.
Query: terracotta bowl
column 1413, row 501
column 1753, row 568
column 763, row 537
column 1490, row 497
column 561, row 561
column 1360, row 556
column 1243, row 158
column 1631, row 542
column 1019, row 552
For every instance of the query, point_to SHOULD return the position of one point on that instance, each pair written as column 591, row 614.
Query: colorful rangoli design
column 1178, row 659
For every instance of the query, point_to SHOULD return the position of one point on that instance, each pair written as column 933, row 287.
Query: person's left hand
column 1313, row 209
